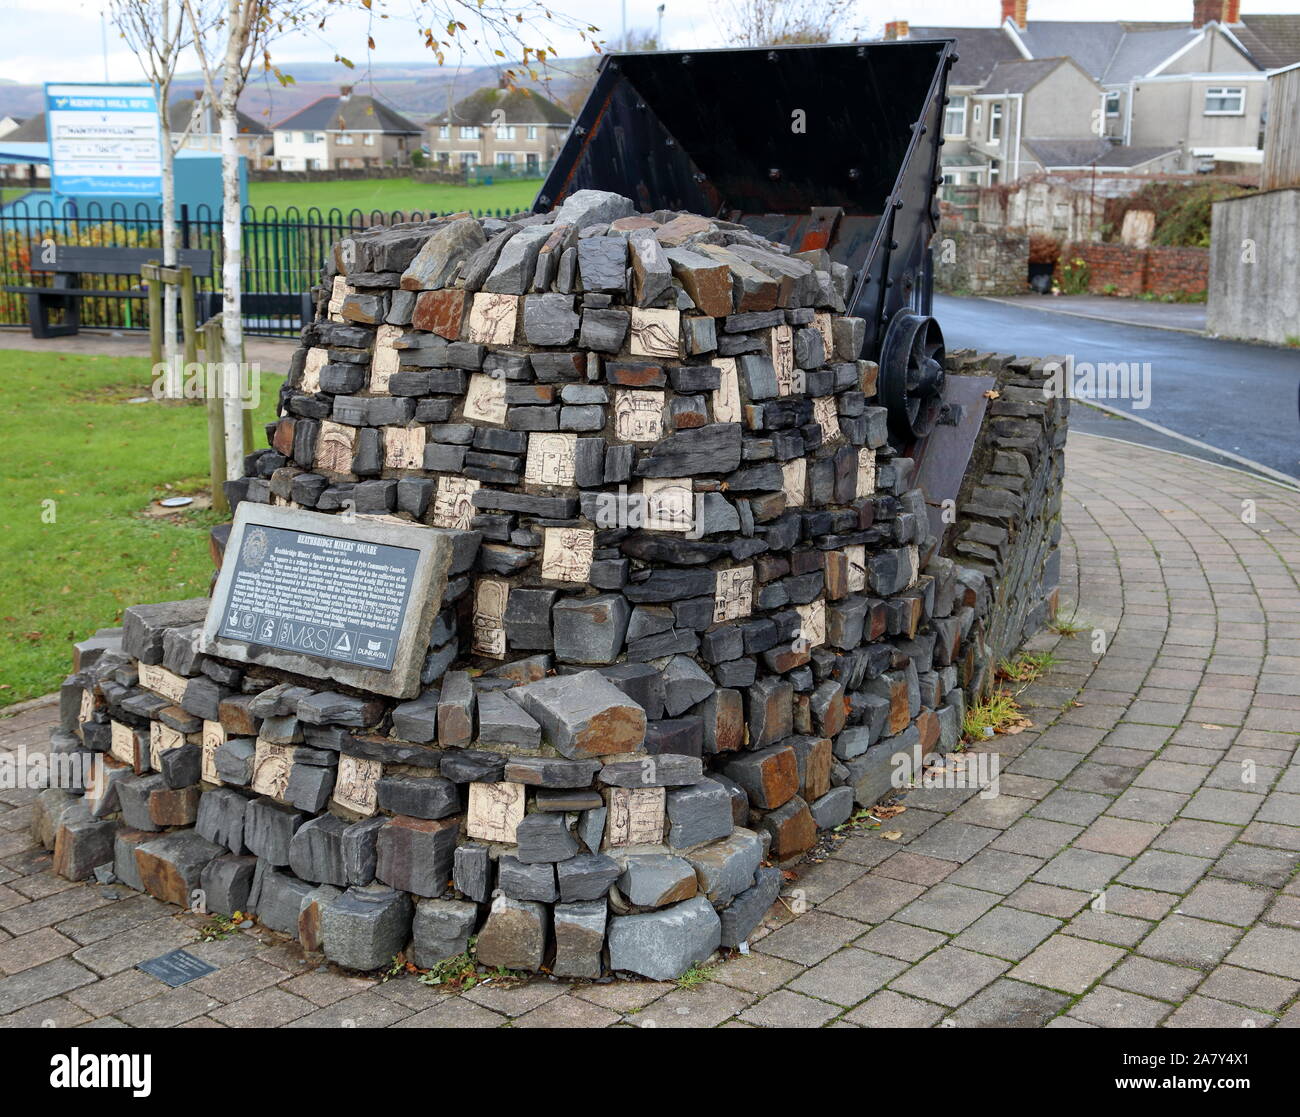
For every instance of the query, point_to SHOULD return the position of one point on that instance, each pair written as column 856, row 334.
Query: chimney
column 1220, row 11
column 345, row 91
column 1017, row 11
column 898, row 29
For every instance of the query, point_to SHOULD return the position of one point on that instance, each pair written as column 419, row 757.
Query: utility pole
column 659, row 29
column 623, row 44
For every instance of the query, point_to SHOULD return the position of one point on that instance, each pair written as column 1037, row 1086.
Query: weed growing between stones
column 1027, row 667
column 998, row 713
column 1063, row 627
column 696, row 976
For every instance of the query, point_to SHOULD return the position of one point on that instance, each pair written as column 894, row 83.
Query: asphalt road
column 1241, row 398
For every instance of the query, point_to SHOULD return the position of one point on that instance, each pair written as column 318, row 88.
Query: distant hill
column 417, row 89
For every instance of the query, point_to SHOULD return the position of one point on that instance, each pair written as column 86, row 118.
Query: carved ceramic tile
column 726, row 400
column 656, row 333
column 87, row 710
column 495, row 811
column 356, row 786
column 913, row 563
column 404, row 447
column 163, row 682
column 567, row 553
column 335, row 447
column 385, row 360
column 485, row 400
column 162, row 738
column 639, row 416
column 812, row 623
column 822, row 323
column 856, row 580
column 453, row 503
column 123, row 745
column 825, row 414
column 789, row 380
column 866, row 472
column 316, row 360
column 669, row 504
column 492, row 318
column 489, row 623
column 214, row 736
column 636, row 816
column 551, row 458
column 795, row 485
column 271, row 767
column 338, row 292
column 733, row 594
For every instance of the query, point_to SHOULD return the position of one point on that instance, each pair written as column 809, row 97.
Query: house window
column 344, row 139
column 1112, row 103
column 532, row 131
column 995, row 121
column 995, row 172
column 506, row 159
column 369, row 141
column 469, row 158
column 505, row 132
column 954, row 119
column 470, row 132
column 1225, row 100
column 444, row 131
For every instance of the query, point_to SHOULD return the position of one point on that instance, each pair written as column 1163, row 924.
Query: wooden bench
column 70, row 262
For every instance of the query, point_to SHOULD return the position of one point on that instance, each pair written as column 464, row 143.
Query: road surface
column 1244, row 399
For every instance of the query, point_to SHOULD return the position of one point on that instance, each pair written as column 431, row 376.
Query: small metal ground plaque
column 177, row 968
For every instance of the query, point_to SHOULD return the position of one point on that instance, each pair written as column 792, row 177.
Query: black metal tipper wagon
column 819, row 147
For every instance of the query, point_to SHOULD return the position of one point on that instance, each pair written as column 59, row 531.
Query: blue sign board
column 104, row 139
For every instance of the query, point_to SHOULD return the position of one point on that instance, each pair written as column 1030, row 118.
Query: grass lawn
column 68, row 435
column 387, row 194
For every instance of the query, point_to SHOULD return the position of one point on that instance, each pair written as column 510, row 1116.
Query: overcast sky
column 63, row 40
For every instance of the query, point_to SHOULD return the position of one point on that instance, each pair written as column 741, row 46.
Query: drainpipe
column 1128, row 116
column 1020, row 123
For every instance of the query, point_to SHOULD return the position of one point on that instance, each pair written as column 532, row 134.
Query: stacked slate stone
column 690, row 619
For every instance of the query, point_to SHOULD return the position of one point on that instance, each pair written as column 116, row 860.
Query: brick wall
column 1124, row 270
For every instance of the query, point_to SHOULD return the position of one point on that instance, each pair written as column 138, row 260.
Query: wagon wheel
column 911, row 374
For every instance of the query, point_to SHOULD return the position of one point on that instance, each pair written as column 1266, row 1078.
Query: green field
column 389, row 194
column 68, row 435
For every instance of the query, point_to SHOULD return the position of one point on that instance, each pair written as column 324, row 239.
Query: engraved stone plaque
column 320, row 596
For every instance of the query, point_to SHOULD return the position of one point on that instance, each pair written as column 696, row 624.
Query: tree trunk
column 232, row 331
column 171, row 355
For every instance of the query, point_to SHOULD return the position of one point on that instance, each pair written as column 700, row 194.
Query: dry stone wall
column 693, row 611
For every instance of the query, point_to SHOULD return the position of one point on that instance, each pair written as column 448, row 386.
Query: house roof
column 1087, row 153
column 1111, row 52
column 1273, row 40
column 520, row 106
column 979, row 49
column 31, row 130
column 179, row 112
column 355, row 112
column 1020, row 75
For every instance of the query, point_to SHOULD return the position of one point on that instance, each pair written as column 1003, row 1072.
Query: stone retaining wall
column 695, row 608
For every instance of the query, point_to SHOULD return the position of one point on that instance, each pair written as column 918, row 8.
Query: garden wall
column 1121, row 269
column 696, row 606
column 980, row 259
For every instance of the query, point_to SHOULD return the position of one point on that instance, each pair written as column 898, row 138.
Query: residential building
column 253, row 139
column 346, row 131
column 1035, row 95
column 499, row 127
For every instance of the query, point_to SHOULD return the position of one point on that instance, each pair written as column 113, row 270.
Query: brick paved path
column 1138, row 867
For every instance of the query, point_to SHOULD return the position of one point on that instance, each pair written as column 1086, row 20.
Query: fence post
column 214, row 392
column 188, row 324
column 153, row 284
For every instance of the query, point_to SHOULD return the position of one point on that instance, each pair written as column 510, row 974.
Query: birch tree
column 242, row 35
column 157, row 33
